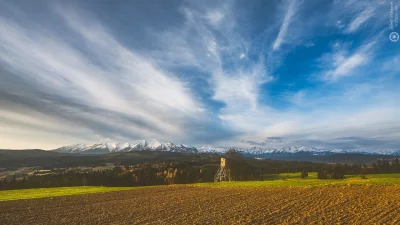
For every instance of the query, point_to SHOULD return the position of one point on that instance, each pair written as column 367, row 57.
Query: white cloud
column 360, row 19
column 297, row 98
column 134, row 94
column 239, row 91
column 124, row 82
column 346, row 66
column 215, row 17
column 238, row 88
column 392, row 65
column 285, row 25
column 339, row 24
column 340, row 63
column 324, row 125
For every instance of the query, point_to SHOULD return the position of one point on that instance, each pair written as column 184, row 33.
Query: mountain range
column 155, row 145
column 140, row 145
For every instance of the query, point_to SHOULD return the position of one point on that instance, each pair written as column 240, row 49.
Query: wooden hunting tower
column 223, row 173
column 223, row 162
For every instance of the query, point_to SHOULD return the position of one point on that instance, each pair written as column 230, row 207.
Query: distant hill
column 50, row 160
column 53, row 159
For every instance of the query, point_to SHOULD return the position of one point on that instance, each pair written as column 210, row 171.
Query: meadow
column 295, row 180
column 53, row 192
column 274, row 180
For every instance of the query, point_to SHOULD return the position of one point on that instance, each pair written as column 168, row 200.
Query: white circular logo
column 394, row 36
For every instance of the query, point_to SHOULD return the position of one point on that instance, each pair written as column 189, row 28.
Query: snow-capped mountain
column 103, row 148
column 155, row 145
column 211, row 149
column 264, row 151
column 387, row 152
column 268, row 150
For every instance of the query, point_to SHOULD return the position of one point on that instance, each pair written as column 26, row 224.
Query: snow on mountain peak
column 101, row 148
column 155, row 145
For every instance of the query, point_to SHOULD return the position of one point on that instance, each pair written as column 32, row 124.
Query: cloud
column 340, row 143
column 296, row 98
column 240, row 88
column 340, row 24
column 215, row 17
column 291, row 10
column 345, row 65
column 198, row 72
column 268, row 142
column 340, row 63
column 355, row 143
column 392, row 65
column 111, row 89
column 360, row 19
column 236, row 86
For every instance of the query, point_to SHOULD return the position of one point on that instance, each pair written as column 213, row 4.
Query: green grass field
column 294, row 180
column 53, row 192
column 281, row 180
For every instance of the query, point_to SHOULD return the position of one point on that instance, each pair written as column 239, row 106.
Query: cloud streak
column 285, row 25
column 342, row 63
column 118, row 85
column 361, row 19
column 223, row 73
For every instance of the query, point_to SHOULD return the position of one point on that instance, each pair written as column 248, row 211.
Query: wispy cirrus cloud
column 360, row 20
column 114, row 80
column 197, row 72
column 341, row 63
column 237, row 86
column 291, row 10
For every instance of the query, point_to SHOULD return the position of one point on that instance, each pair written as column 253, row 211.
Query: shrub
column 335, row 173
column 304, row 174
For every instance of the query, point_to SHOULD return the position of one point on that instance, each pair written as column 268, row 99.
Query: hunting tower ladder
column 223, row 173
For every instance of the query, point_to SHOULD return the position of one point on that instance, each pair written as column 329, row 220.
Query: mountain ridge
column 155, row 145
column 140, row 145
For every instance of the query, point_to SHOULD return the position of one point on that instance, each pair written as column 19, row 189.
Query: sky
column 316, row 73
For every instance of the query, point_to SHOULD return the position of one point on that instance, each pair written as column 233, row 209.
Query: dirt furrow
column 180, row 204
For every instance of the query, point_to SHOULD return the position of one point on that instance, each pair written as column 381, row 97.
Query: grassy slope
column 294, row 180
column 52, row 192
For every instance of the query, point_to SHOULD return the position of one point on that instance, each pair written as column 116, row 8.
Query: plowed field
column 213, row 205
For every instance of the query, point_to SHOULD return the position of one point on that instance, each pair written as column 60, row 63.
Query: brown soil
column 213, row 205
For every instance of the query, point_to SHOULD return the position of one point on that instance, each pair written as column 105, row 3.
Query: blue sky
column 245, row 73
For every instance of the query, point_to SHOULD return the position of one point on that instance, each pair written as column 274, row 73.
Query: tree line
column 137, row 175
column 163, row 173
column 166, row 173
column 339, row 170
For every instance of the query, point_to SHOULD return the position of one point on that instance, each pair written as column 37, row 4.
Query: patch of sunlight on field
column 53, row 192
column 295, row 180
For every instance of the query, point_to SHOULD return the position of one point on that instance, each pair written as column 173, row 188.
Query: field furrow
column 180, row 204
